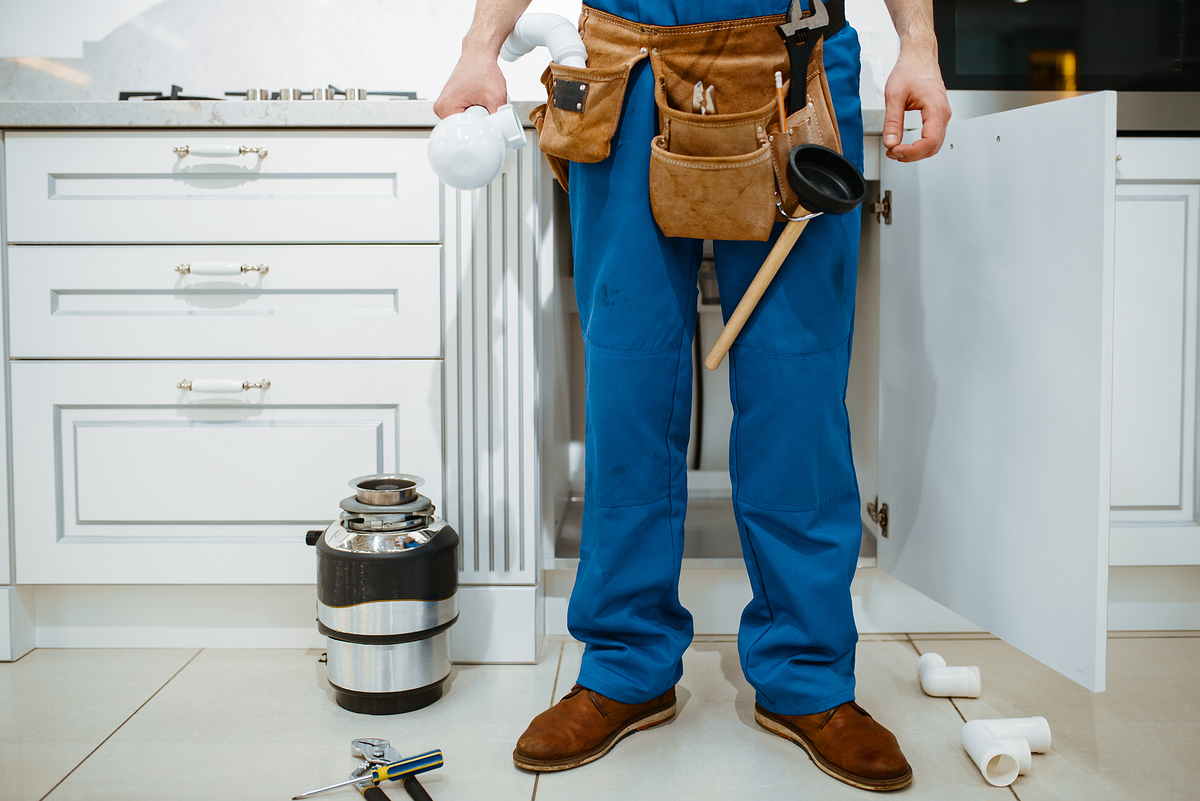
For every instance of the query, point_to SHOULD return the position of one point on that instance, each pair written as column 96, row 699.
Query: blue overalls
column 794, row 489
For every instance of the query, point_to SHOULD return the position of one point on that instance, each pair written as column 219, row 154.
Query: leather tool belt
column 718, row 165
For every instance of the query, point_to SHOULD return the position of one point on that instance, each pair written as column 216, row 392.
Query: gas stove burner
column 330, row 92
column 176, row 94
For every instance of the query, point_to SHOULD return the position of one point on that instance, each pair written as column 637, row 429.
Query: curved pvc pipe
column 554, row 31
column 1002, row 748
column 945, row 682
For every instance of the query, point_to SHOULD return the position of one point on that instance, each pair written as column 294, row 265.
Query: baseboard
column 1140, row 599
column 17, row 636
column 177, row 637
column 716, row 597
column 1154, row 598
column 497, row 624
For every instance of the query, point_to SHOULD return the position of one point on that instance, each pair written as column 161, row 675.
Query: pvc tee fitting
column 1001, row 748
column 554, row 31
column 944, row 682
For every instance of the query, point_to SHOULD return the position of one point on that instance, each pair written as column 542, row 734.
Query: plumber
column 650, row 176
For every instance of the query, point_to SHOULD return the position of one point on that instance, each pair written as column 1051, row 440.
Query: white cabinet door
column 123, row 478
column 312, row 186
column 996, row 377
column 1156, row 508
column 299, row 301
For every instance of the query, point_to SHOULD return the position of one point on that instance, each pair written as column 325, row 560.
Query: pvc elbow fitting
column 944, row 682
column 1002, row 748
column 554, row 31
column 467, row 150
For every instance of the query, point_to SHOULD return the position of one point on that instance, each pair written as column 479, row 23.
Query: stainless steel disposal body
column 387, row 594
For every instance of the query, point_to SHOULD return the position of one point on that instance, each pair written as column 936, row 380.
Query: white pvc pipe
column 1001, row 748
column 552, row 30
column 945, row 682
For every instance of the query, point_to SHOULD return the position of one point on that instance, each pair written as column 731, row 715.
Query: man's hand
column 477, row 79
column 915, row 84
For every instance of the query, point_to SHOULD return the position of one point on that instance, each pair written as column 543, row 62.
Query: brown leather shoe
column 583, row 727
column 846, row 743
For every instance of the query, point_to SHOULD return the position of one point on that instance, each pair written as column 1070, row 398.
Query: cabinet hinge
column 882, row 208
column 879, row 513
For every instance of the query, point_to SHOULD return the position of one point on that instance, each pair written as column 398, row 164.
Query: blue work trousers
column 794, row 489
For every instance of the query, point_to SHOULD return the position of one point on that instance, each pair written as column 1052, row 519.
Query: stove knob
column 258, row 94
column 323, row 94
column 356, row 94
column 290, row 94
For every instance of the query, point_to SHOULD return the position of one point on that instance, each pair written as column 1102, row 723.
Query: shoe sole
column 545, row 766
column 776, row 727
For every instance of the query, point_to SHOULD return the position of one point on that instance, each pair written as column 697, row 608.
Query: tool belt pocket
column 711, row 175
column 712, row 197
column 582, row 110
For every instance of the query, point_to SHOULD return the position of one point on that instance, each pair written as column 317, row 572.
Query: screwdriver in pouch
column 391, row 772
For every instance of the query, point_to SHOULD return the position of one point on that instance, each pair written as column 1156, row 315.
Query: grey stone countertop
column 16, row 114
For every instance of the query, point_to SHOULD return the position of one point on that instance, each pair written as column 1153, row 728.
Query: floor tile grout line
column 126, row 720
column 956, row 709
column 557, row 670
column 562, row 647
column 913, row 643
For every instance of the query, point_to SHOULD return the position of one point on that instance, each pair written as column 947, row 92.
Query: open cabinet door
column 996, row 282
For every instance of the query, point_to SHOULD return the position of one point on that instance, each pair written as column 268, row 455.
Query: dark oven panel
column 1068, row 45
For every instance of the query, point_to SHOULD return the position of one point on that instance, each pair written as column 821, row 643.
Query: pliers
column 380, row 752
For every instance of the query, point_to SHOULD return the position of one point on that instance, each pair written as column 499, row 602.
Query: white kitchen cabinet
column 312, row 301
column 311, row 186
column 399, row 325
column 1155, row 509
column 1037, row 356
column 121, row 477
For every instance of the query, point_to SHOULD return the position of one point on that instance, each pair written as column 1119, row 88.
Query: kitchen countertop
column 247, row 114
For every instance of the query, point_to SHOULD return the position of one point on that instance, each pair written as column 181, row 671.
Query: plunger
column 826, row 183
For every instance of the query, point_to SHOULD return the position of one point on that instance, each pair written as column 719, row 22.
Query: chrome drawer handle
column 221, row 385
column 218, row 151
column 220, row 268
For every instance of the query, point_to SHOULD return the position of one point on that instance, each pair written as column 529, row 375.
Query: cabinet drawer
column 326, row 301
column 312, row 186
column 122, row 478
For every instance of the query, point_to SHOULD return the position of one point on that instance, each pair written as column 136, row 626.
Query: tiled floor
column 240, row 724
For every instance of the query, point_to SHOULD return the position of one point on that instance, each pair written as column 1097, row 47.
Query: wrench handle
column 374, row 793
column 783, row 246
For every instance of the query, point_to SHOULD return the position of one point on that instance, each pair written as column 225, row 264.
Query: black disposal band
column 426, row 573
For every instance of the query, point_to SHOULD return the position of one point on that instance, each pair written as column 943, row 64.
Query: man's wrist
column 482, row 45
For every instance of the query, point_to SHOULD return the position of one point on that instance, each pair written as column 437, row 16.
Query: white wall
column 212, row 46
column 58, row 28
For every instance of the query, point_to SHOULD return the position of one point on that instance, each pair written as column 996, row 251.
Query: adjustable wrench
column 801, row 33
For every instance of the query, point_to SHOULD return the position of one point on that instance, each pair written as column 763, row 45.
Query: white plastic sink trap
column 467, row 150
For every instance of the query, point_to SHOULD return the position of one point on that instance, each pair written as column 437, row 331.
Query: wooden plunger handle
column 783, row 246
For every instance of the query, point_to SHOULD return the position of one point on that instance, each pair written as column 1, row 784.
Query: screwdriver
column 390, row 772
